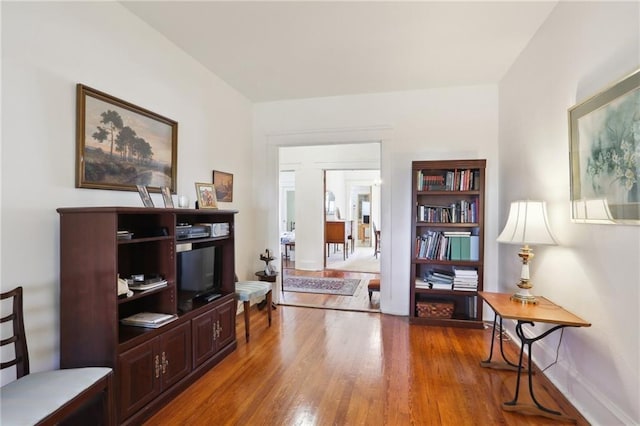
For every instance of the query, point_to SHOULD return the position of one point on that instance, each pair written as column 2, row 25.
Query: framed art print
column 206, row 193
column 120, row 145
column 604, row 138
column 224, row 186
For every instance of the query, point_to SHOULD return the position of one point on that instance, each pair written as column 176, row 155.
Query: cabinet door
column 203, row 328
column 227, row 324
column 175, row 354
column 139, row 371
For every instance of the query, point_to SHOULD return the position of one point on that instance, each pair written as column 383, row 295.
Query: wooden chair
column 47, row 398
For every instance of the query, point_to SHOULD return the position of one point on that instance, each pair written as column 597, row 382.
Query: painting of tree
column 120, row 145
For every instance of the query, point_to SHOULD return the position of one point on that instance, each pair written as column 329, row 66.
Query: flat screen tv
column 198, row 273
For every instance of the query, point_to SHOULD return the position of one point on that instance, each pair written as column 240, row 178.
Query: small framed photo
column 166, row 196
column 144, row 194
column 206, row 193
column 224, row 186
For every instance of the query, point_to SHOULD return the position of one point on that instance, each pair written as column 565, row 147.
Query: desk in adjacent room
column 544, row 311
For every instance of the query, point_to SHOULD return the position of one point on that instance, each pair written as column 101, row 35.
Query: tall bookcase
column 447, row 244
column 151, row 366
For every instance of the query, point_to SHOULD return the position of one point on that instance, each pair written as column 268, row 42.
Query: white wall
column 46, row 49
column 444, row 123
column 594, row 272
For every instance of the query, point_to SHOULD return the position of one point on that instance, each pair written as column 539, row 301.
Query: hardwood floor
column 334, row 367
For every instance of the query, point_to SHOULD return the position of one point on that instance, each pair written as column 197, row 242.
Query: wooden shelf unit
column 151, row 366
column 433, row 194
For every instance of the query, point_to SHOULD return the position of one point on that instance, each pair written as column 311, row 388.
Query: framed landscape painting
column 120, row 145
column 604, row 138
column 224, row 186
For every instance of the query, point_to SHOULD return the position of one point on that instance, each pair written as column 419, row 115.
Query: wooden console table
column 544, row 311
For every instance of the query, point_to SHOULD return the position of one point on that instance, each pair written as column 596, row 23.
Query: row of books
column 462, row 279
column 465, row 279
column 448, row 245
column 462, row 211
column 450, row 180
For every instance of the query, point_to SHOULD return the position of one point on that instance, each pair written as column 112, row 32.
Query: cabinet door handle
column 165, row 363
column 157, row 366
column 214, row 330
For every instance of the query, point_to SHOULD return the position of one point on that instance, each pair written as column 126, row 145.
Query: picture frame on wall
column 120, row 145
column 206, row 194
column 224, row 186
column 144, row 195
column 604, row 141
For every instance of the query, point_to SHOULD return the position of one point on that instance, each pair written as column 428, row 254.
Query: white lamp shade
column 527, row 224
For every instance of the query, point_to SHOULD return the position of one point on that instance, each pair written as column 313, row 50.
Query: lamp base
column 523, row 296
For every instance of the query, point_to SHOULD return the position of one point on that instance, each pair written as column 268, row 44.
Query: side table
column 271, row 278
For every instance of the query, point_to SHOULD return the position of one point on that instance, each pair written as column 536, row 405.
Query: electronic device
column 216, row 229
column 186, row 232
column 199, row 273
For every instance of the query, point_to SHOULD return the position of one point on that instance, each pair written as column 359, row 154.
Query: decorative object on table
column 527, row 224
column 206, row 193
column 604, row 144
column 144, row 195
column 120, row 145
column 267, row 258
column 224, row 186
column 166, row 196
column 183, row 202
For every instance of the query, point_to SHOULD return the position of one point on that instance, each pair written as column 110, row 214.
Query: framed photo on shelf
column 224, row 186
column 605, row 168
column 166, row 197
column 206, row 193
column 120, row 145
column 144, row 195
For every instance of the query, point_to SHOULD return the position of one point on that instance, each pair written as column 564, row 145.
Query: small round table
column 271, row 278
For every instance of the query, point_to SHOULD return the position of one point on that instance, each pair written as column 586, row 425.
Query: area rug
column 339, row 286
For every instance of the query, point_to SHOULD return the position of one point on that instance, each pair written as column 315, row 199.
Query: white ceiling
column 299, row 49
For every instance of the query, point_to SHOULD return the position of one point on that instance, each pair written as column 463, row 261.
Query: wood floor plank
column 331, row 367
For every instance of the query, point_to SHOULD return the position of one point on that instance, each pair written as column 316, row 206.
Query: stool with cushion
column 374, row 285
column 247, row 290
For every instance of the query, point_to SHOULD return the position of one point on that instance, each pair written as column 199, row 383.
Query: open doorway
column 330, row 183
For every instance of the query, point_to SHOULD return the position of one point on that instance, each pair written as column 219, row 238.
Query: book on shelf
column 143, row 285
column 149, row 319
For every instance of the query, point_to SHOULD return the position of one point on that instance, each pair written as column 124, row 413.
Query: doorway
column 345, row 193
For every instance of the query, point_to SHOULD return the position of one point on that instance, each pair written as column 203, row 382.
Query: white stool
column 247, row 290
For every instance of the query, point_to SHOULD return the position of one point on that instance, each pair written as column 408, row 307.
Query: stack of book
column 465, row 279
column 439, row 279
column 147, row 284
column 149, row 319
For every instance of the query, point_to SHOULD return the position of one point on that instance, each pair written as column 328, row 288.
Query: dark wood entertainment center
column 151, row 366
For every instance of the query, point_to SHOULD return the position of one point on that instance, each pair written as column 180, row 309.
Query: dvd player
column 186, row 232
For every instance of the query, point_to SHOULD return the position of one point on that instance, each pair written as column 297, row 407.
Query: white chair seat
column 247, row 290
column 31, row 398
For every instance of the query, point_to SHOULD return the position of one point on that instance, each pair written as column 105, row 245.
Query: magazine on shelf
column 141, row 285
column 149, row 319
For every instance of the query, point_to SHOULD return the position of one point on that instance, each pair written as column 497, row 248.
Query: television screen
column 197, row 271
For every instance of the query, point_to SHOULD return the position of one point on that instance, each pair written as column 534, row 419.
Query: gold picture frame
column 206, row 194
column 120, row 145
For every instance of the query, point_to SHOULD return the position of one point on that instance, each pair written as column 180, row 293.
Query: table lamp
column 527, row 224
